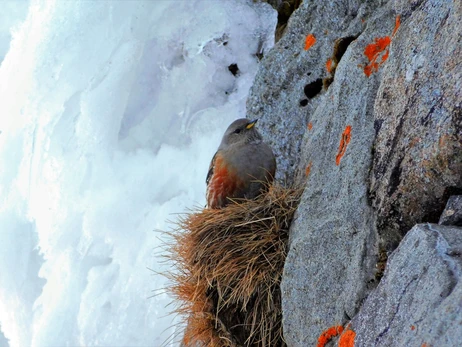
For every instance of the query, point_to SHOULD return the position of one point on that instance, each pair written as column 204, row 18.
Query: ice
column 110, row 112
column 12, row 14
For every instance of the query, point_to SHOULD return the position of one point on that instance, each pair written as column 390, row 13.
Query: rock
column 278, row 96
column 418, row 118
column 374, row 131
column 285, row 8
column 452, row 214
column 331, row 264
column 419, row 299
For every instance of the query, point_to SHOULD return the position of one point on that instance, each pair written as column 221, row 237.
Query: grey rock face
column 379, row 148
column 419, row 300
column 418, row 119
column 452, row 214
column 331, row 264
column 278, row 96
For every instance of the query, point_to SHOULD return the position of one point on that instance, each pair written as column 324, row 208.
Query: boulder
column 419, row 300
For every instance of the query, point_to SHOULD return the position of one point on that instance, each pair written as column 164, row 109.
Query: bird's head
column 241, row 131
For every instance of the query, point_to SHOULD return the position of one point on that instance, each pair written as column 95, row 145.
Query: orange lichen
column 329, row 65
column 412, row 327
column 373, row 51
column 310, row 126
column 308, row 169
column 379, row 48
column 309, row 41
column 425, row 344
column 397, row 25
column 344, row 141
column 347, row 339
column 328, row 334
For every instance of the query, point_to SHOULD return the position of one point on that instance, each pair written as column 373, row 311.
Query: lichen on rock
column 397, row 90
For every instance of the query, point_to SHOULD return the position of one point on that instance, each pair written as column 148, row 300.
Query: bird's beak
column 251, row 124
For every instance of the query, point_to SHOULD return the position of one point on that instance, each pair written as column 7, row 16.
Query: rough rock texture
column 418, row 117
column 332, row 258
column 278, row 93
column 419, row 299
column 379, row 145
column 452, row 214
column 285, row 8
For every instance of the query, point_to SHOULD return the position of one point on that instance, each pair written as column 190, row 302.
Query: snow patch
column 111, row 112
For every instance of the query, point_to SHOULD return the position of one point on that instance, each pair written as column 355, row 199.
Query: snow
column 110, row 112
column 13, row 12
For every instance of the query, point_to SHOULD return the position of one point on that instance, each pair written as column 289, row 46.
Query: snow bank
column 110, row 112
column 12, row 13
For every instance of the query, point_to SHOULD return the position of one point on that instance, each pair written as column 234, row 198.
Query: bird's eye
column 237, row 131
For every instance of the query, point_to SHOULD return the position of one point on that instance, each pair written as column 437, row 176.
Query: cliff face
column 361, row 101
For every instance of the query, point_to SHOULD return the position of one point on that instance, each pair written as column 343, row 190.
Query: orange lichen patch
column 397, row 25
column 309, row 41
column 308, row 169
column 412, row 327
column 328, row 334
column 379, row 49
column 425, row 344
column 329, row 65
column 374, row 49
column 344, row 141
column 347, row 339
column 310, row 126
column 373, row 52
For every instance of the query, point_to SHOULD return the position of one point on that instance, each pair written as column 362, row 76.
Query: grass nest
column 229, row 264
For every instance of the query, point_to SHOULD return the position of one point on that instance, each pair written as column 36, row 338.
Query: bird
column 242, row 167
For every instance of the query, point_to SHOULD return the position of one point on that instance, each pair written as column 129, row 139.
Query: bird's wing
column 211, row 167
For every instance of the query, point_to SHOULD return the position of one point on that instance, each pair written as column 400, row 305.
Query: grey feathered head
column 241, row 131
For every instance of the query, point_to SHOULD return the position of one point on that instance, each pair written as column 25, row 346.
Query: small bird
column 242, row 167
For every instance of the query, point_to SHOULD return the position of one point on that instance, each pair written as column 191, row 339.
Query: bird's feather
column 211, row 167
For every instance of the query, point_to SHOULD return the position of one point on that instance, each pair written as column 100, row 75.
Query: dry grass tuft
column 229, row 264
